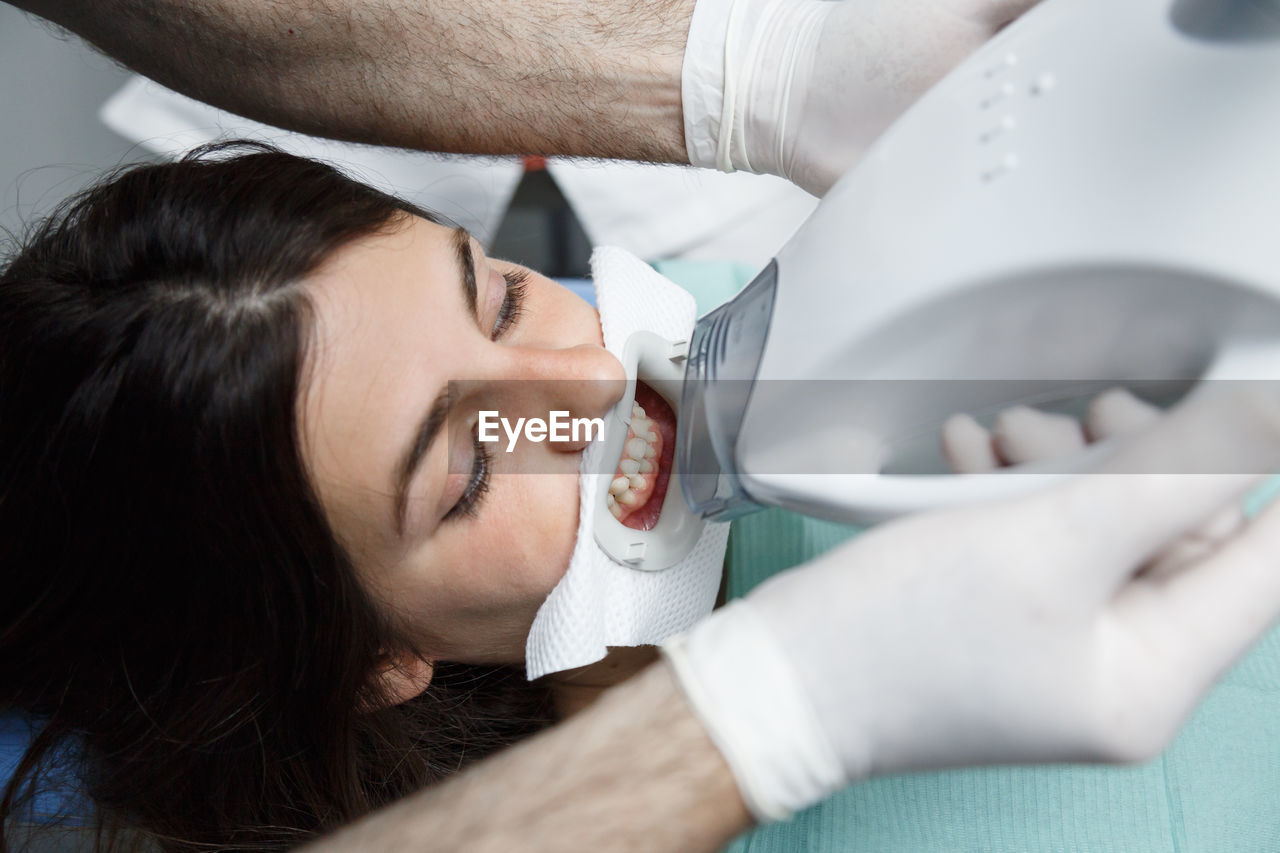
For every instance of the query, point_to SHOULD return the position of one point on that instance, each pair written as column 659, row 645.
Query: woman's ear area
column 397, row 678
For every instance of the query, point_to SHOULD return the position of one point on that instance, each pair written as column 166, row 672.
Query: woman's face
column 462, row 551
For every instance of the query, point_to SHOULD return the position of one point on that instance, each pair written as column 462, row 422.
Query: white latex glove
column 1022, row 434
column 1028, row 631
column 804, row 86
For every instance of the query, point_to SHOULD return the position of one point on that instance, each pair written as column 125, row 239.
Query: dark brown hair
column 177, row 618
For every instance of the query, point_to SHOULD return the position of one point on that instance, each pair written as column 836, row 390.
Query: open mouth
column 640, row 480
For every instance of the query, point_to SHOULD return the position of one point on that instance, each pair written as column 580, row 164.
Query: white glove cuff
column 737, row 81
column 754, row 707
column 702, row 79
column 767, row 115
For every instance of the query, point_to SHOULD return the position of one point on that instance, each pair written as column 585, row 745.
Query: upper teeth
column 638, row 459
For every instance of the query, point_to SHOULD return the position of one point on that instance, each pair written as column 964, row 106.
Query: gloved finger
column 1023, row 434
column 1118, row 412
column 1029, row 435
column 1205, row 617
column 1197, row 544
column 1170, row 477
column 1221, row 428
column 967, row 446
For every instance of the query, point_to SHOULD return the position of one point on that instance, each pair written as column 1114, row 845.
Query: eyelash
column 478, row 485
column 513, row 304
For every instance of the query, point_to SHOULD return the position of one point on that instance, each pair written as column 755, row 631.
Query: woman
column 215, row 375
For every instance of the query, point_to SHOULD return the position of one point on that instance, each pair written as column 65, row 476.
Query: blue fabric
column 58, row 797
column 14, row 736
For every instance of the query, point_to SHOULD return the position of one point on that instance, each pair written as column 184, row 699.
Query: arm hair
column 634, row 772
column 594, row 78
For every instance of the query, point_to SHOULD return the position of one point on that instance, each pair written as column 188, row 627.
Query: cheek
column 538, row 527
column 472, row 591
column 509, row 559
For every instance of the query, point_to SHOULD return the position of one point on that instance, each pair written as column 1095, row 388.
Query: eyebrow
column 437, row 415
column 466, row 265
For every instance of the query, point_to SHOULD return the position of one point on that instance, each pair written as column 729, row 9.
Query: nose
column 585, row 380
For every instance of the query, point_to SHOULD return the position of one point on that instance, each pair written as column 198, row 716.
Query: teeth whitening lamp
column 1092, row 199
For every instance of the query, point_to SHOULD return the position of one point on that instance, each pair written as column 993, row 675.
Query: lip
column 645, row 513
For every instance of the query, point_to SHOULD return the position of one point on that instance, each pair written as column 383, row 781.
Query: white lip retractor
column 661, row 364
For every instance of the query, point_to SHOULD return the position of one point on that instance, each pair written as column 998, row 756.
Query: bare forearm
column 597, row 78
column 635, row 772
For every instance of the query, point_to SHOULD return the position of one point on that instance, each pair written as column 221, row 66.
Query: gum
column 645, row 516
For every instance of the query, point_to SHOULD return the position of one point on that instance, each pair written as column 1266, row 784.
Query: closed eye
column 477, row 483
column 512, row 303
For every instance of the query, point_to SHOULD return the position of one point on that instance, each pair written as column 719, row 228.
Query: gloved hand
column 800, row 88
column 1027, row 631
